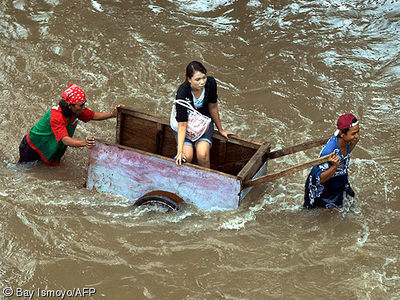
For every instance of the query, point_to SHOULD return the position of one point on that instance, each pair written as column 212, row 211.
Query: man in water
column 49, row 138
column 327, row 182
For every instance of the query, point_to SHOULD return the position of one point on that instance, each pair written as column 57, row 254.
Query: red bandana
column 74, row 95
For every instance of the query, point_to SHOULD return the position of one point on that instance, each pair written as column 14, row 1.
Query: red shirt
column 59, row 122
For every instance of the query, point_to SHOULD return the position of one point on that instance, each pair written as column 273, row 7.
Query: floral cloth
column 330, row 193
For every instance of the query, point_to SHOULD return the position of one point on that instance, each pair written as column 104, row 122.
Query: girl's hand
column 225, row 133
column 180, row 158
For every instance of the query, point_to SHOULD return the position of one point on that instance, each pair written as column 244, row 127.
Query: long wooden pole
column 273, row 176
column 297, row 148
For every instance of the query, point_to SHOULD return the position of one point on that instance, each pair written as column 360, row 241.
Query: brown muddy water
column 285, row 70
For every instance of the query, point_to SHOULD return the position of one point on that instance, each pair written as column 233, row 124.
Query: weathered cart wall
column 131, row 174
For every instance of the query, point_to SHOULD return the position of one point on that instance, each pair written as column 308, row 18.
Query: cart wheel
column 160, row 199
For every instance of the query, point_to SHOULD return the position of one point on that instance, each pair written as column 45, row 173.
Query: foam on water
column 97, row 6
column 237, row 222
column 19, row 4
column 201, row 6
column 364, row 236
column 254, row 3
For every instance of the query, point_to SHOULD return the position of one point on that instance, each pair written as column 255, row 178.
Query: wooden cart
column 140, row 166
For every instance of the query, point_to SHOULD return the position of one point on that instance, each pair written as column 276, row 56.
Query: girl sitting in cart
column 199, row 91
column 327, row 182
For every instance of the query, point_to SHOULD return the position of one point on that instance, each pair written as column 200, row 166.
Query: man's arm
column 326, row 175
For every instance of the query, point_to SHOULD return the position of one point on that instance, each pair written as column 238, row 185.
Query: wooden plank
column 291, row 170
column 297, row 148
column 138, row 133
column 118, row 132
column 168, row 143
column 233, row 139
column 222, row 152
column 255, row 162
column 145, row 116
column 233, row 153
column 262, row 171
column 159, row 138
column 231, row 167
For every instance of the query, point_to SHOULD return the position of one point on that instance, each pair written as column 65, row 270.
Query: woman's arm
column 181, row 141
column 71, row 142
column 104, row 116
column 213, row 108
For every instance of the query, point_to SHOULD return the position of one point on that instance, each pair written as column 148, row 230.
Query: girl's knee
column 188, row 152
column 203, row 156
column 189, row 158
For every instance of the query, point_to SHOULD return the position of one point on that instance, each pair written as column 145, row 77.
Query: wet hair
column 66, row 111
column 192, row 67
column 344, row 131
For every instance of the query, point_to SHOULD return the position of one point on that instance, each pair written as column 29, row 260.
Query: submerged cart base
column 141, row 163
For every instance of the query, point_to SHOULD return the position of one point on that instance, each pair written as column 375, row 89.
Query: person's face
column 198, row 81
column 77, row 109
column 352, row 134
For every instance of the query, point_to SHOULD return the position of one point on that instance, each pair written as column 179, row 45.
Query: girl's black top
column 185, row 93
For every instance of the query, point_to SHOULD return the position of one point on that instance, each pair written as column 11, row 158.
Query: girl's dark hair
column 66, row 111
column 192, row 67
column 347, row 129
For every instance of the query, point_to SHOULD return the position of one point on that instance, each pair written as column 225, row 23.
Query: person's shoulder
column 184, row 86
column 56, row 108
column 211, row 80
column 211, row 84
column 330, row 146
column 56, row 116
column 183, row 90
column 56, row 112
column 211, row 90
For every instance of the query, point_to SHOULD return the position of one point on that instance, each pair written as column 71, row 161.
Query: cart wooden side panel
column 132, row 173
column 152, row 133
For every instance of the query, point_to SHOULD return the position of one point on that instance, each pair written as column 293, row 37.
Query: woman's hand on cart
column 180, row 158
column 225, row 133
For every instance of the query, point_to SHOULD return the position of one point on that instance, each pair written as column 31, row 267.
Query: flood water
column 285, row 70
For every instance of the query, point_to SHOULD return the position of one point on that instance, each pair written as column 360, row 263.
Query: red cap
column 346, row 121
column 74, row 95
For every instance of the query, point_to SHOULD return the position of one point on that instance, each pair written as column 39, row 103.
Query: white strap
column 184, row 104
